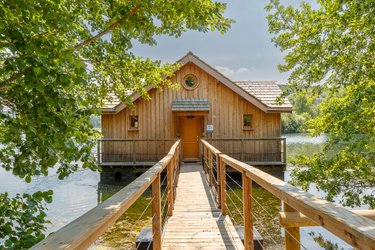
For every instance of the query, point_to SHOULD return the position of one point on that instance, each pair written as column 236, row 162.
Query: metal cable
column 165, row 177
column 149, row 243
column 278, row 224
column 252, row 230
column 255, row 216
column 137, row 221
column 244, row 219
column 239, row 185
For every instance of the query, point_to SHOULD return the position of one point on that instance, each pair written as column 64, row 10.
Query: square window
column 247, row 121
column 134, row 122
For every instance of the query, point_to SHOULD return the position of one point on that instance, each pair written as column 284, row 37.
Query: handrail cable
column 239, row 185
column 149, row 243
column 260, row 206
column 241, row 214
column 162, row 182
column 262, row 209
column 270, row 215
column 139, row 218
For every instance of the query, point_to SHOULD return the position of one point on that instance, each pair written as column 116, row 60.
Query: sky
column 245, row 52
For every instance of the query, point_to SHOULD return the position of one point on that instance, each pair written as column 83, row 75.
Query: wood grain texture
column 156, row 213
column 296, row 219
column 292, row 234
column 248, row 212
column 156, row 119
column 82, row 232
column 356, row 230
column 196, row 222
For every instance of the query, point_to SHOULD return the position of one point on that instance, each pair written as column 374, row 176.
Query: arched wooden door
column 190, row 132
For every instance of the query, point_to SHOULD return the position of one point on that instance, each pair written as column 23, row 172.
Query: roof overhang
column 189, row 105
column 191, row 58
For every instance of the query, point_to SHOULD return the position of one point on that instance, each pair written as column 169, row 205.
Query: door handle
column 197, row 137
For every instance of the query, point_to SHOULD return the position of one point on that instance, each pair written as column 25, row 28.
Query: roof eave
column 190, row 57
column 279, row 110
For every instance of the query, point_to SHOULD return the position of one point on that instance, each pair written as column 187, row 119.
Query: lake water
column 83, row 190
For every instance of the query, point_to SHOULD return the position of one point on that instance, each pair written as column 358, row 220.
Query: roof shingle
column 190, row 105
column 265, row 91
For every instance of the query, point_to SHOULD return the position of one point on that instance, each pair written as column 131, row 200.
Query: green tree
column 331, row 48
column 304, row 108
column 61, row 59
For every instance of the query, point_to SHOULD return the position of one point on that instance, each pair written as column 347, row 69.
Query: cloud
column 229, row 71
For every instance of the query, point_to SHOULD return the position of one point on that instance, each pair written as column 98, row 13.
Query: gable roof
column 252, row 91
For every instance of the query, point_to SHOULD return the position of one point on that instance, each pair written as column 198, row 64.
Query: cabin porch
column 137, row 155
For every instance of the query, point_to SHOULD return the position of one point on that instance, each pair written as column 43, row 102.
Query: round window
column 190, row 82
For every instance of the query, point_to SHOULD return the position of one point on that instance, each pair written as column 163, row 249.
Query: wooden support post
column 156, row 213
column 248, row 212
column 204, row 157
column 292, row 234
column 218, row 180
column 284, row 150
column 210, row 168
column 242, row 149
column 170, row 180
column 223, row 190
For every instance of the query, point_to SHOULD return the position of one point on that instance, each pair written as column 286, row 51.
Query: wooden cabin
column 241, row 118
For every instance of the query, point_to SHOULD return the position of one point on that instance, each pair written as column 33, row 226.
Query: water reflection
column 84, row 189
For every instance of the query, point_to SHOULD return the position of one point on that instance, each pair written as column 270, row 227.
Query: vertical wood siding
column 156, row 120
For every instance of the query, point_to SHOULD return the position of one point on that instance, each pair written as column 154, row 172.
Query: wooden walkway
column 196, row 222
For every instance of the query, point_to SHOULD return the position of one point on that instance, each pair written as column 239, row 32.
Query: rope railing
column 300, row 208
column 85, row 230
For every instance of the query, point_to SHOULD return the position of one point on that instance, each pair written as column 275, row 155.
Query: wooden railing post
column 242, row 149
column 248, row 212
column 284, row 150
column 223, row 190
column 292, row 234
column 210, row 168
column 218, row 167
column 170, row 179
column 156, row 213
column 204, row 156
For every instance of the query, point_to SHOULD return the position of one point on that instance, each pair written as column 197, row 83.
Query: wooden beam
column 292, row 234
column 210, row 147
column 82, row 232
column 248, row 212
column 223, row 190
column 218, row 172
column 296, row 219
column 156, row 213
column 210, row 168
column 170, row 180
column 356, row 230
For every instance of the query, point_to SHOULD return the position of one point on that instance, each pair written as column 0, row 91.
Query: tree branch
column 107, row 30
column 78, row 46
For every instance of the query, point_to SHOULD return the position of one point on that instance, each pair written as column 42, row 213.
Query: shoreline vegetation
column 305, row 108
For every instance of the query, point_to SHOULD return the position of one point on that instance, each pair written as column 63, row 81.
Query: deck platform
column 196, row 222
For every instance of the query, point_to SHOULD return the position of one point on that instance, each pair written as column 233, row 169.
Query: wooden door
column 190, row 133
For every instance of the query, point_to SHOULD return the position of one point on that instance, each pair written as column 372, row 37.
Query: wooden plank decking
column 196, row 222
